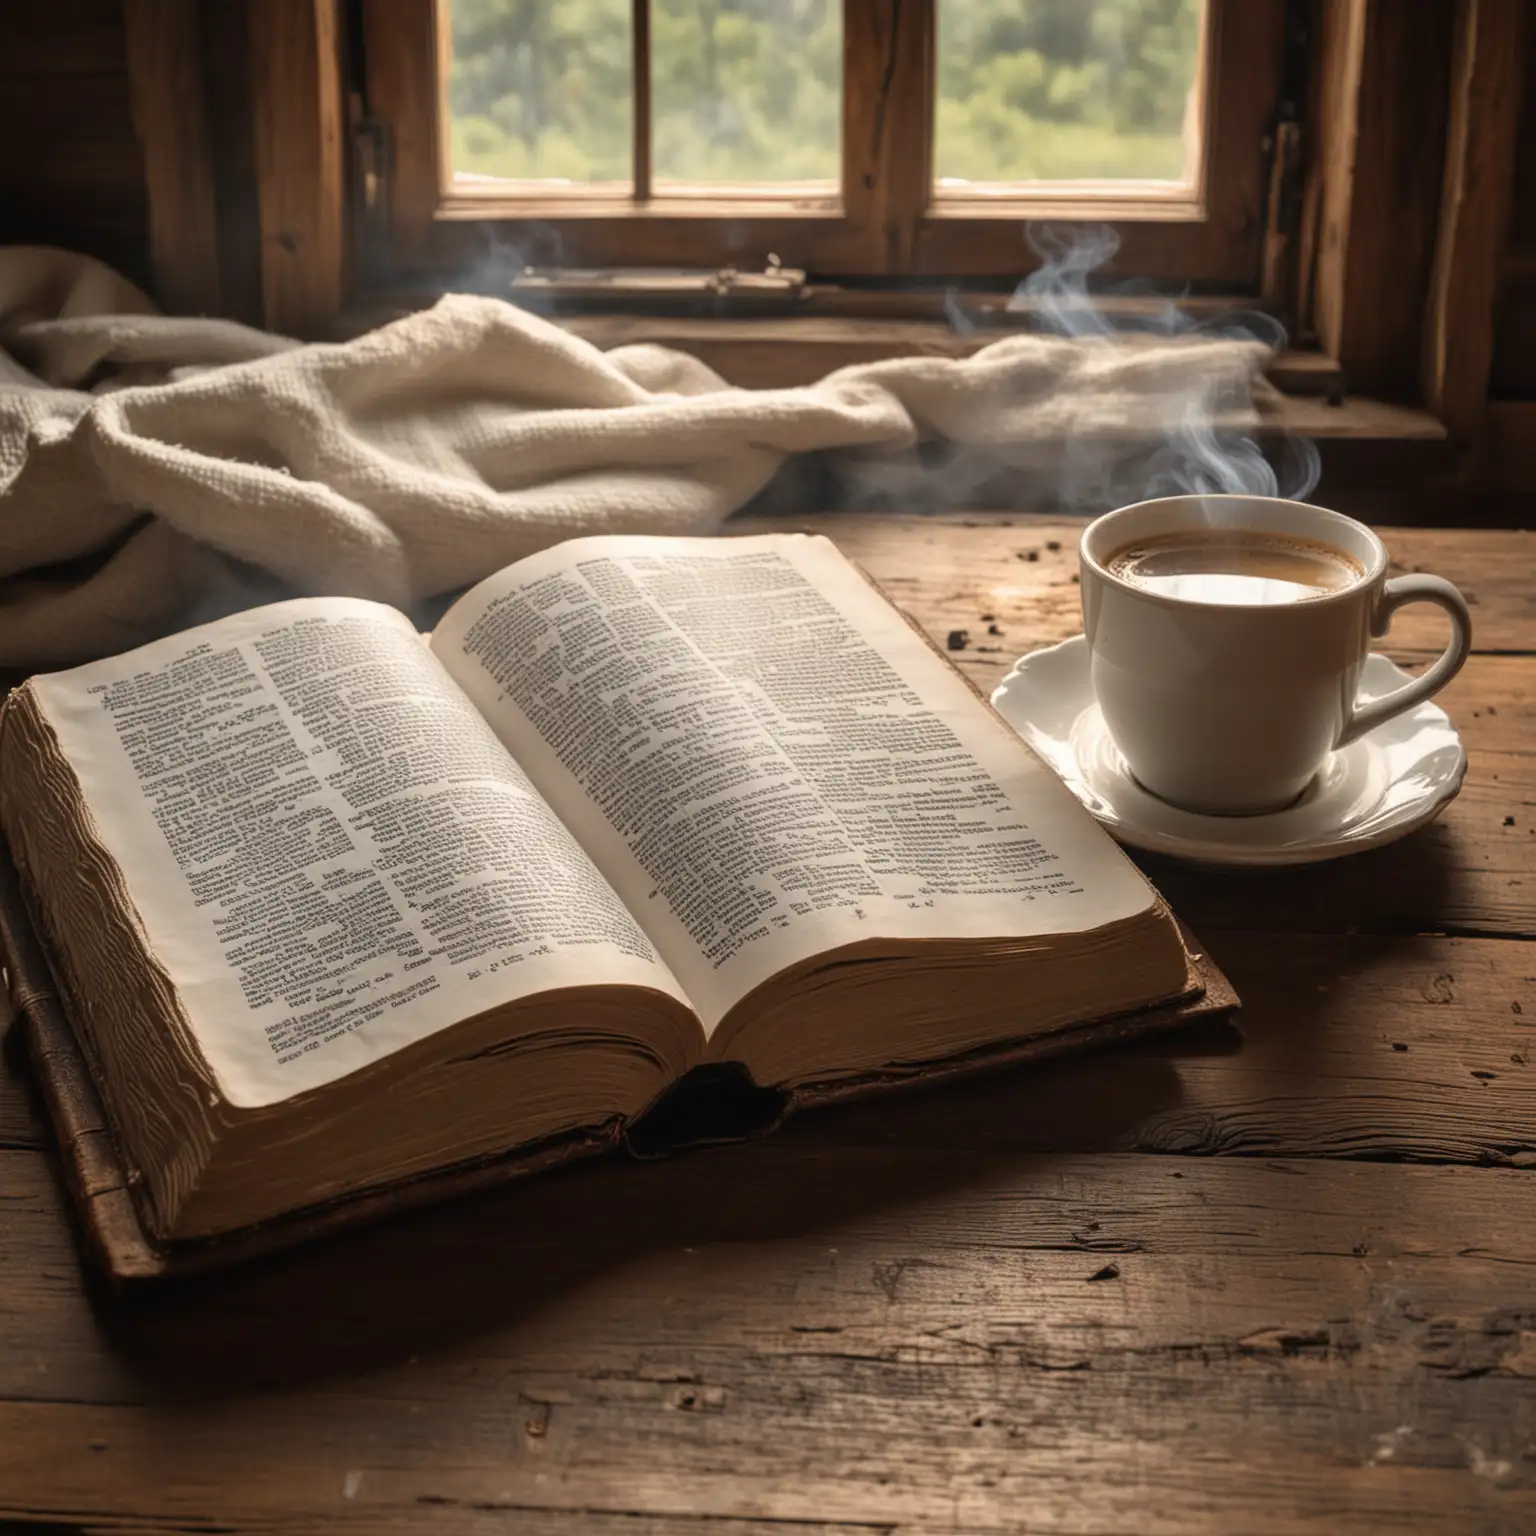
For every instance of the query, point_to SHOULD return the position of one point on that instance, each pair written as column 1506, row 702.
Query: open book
column 331, row 909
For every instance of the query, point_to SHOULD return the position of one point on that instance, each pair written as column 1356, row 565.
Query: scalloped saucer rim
column 1387, row 784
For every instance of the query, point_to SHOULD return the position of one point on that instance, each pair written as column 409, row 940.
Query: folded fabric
column 156, row 470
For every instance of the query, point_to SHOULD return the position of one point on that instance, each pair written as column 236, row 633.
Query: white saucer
column 1374, row 791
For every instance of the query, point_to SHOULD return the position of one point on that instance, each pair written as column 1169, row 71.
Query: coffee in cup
column 1226, row 639
column 1235, row 566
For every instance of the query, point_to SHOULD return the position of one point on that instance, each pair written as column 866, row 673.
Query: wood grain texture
column 1514, row 333
column 70, row 169
column 890, row 1335
column 300, row 171
column 22, row 1121
column 68, row 37
column 1338, row 61
column 1359, row 1047
column 401, row 59
column 889, row 51
column 229, row 105
column 1514, row 360
column 1380, row 136
column 1486, row 82
column 640, row 82
column 78, row 142
column 165, row 77
column 1508, row 457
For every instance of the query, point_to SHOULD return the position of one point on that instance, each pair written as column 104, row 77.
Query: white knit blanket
column 155, row 470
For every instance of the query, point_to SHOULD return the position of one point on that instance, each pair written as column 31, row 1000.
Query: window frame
column 1382, row 242
column 885, row 222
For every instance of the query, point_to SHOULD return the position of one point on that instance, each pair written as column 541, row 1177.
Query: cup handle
column 1409, row 589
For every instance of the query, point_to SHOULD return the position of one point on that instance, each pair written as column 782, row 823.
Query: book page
column 331, row 854
column 766, row 761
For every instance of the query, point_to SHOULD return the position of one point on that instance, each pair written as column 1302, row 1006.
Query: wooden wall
column 70, row 169
column 1514, row 351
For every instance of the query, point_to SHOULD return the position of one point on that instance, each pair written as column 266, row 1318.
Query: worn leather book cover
column 711, row 1104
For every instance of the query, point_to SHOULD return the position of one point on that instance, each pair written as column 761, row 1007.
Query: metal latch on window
column 774, row 288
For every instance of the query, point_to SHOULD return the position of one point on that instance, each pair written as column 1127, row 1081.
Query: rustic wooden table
column 1274, row 1275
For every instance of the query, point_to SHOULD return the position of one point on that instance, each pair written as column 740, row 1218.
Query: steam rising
column 1198, row 454
column 1153, row 404
column 1058, row 287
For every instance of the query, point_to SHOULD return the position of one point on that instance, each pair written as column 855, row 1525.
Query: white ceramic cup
column 1232, row 708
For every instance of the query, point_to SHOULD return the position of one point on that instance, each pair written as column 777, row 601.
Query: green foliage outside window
column 751, row 90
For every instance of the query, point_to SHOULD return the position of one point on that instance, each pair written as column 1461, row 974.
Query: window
column 1074, row 94
column 1347, row 163
column 541, row 98
column 874, row 138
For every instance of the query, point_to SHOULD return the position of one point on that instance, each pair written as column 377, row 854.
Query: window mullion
column 888, row 64
column 640, row 31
